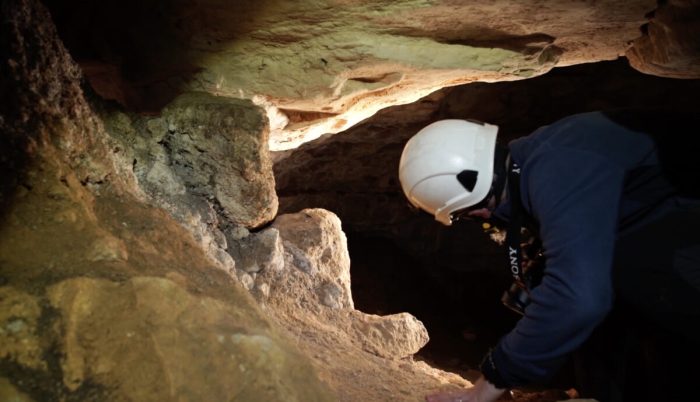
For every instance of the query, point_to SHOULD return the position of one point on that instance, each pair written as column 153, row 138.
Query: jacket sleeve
column 575, row 196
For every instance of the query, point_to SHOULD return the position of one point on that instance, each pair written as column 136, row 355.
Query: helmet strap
column 499, row 182
column 500, row 173
column 498, row 185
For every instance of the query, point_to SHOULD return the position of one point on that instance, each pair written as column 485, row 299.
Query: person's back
column 612, row 223
column 614, row 199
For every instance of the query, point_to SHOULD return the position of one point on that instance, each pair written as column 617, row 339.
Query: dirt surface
column 357, row 375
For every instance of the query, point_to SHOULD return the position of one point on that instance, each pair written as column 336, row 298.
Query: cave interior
column 146, row 69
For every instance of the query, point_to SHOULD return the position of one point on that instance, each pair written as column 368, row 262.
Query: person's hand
column 482, row 391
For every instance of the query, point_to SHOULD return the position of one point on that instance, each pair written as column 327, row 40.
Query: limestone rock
column 392, row 336
column 219, row 148
column 670, row 44
column 204, row 159
column 42, row 97
column 108, row 248
column 8, row 393
column 246, row 279
column 317, row 261
column 203, row 149
column 85, row 310
column 20, row 340
column 149, row 339
column 321, row 66
column 259, row 251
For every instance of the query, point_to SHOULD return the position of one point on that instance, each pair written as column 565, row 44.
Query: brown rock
column 11, row 394
column 670, row 41
column 394, row 336
column 203, row 151
column 149, row 339
column 20, row 339
column 258, row 252
column 322, row 66
column 317, row 257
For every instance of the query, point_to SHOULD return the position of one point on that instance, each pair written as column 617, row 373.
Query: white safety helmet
column 448, row 166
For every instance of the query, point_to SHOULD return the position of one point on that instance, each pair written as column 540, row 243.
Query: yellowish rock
column 19, row 336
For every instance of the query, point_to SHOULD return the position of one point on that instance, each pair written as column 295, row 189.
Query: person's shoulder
column 570, row 132
column 592, row 136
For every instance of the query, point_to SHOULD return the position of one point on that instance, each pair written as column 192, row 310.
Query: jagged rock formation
column 203, row 146
column 668, row 46
column 362, row 356
column 205, row 159
column 104, row 297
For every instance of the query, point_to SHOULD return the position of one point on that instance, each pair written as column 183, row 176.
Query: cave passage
column 460, row 309
column 450, row 278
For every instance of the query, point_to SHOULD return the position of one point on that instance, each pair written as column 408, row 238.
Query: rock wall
column 322, row 66
column 103, row 296
column 202, row 147
column 364, row 357
column 669, row 46
column 205, row 159
column 128, row 256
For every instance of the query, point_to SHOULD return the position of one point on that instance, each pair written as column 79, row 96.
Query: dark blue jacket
column 572, row 181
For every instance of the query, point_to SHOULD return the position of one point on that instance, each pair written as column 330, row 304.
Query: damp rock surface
column 103, row 295
column 151, row 339
column 202, row 149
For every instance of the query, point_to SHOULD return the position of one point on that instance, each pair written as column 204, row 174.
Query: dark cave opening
column 460, row 308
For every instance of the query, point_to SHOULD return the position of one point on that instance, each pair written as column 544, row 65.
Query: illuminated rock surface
column 322, row 66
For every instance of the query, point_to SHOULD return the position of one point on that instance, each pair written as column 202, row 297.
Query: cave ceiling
column 321, row 66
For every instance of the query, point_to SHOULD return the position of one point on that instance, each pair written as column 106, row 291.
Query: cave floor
column 112, row 237
column 357, row 375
